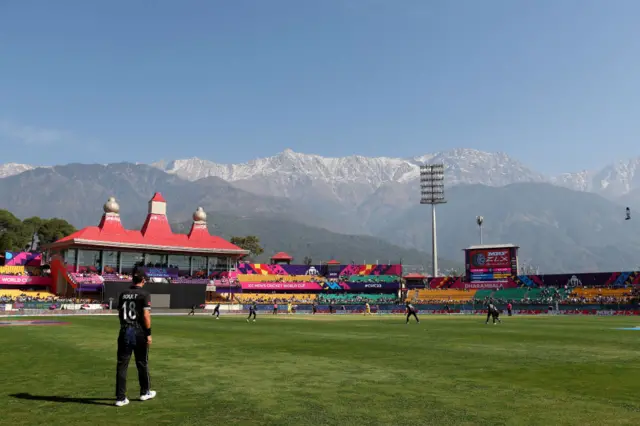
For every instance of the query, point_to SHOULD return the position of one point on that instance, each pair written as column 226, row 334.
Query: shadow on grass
column 64, row 399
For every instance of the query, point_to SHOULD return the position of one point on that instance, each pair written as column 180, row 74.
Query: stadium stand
column 600, row 295
column 26, row 293
column 546, row 295
column 483, row 294
column 427, row 295
column 510, row 294
column 13, row 270
column 595, row 292
column 87, row 278
column 350, row 298
column 273, row 298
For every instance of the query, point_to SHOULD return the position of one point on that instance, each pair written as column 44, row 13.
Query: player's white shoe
column 122, row 403
column 217, row 317
column 149, row 395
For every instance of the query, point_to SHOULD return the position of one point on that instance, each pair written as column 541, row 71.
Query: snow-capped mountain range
column 464, row 166
column 287, row 171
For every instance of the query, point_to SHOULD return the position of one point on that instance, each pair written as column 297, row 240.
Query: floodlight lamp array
column 432, row 184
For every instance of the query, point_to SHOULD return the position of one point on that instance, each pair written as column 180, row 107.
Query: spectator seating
column 17, row 293
column 13, row 270
column 220, row 298
column 510, row 294
column 482, row 294
column 85, row 278
column 348, row 298
column 271, row 298
column 441, row 295
column 269, row 278
column 546, row 294
column 549, row 293
column 116, row 277
column 373, row 279
column 604, row 292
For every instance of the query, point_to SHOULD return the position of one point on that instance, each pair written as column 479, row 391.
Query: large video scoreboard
column 489, row 266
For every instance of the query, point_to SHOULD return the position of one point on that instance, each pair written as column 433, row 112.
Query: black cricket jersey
column 131, row 306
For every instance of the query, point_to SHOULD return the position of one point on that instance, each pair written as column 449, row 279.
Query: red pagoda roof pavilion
column 281, row 256
column 156, row 234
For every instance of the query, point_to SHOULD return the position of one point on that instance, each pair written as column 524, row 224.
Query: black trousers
column 414, row 315
column 132, row 341
column 252, row 313
column 216, row 312
column 494, row 316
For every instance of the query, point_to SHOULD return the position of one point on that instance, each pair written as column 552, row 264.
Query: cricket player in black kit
column 493, row 312
column 216, row 311
column 411, row 311
column 252, row 311
column 193, row 311
column 134, row 312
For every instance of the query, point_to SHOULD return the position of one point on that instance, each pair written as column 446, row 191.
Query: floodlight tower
column 480, row 221
column 432, row 192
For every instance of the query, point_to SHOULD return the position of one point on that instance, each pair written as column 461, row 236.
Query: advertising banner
column 276, row 269
column 371, row 269
column 484, row 285
column 328, row 271
column 33, row 305
column 381, row 287
column 161, row 272
column 12, row 258
column 24, row 280
column 302, row 269
column 282, row 286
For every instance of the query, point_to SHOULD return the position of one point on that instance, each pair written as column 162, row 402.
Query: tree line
column 30, row 233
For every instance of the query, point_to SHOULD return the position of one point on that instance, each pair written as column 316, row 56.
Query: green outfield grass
column 330, row 371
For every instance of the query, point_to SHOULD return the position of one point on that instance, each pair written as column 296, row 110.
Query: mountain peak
column 10, row 169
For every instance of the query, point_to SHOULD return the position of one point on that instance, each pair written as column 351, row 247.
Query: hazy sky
column 554, row 83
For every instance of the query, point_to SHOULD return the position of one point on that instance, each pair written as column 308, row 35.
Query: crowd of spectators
column 573, row 296
column 357, row 299
column 24, row 271
column 284, row 300
column 24, row 298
